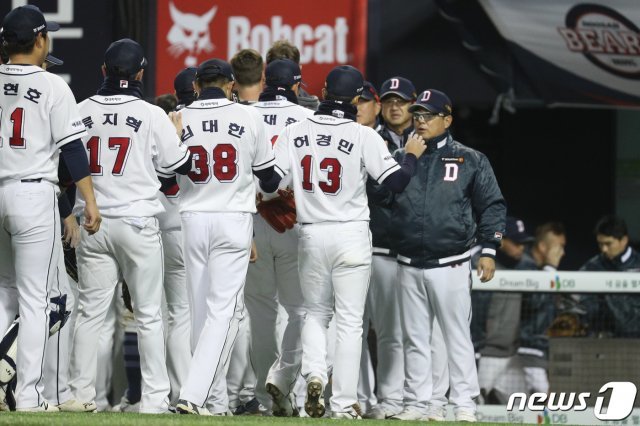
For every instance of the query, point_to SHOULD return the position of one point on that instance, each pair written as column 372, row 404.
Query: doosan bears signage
column 327, row 33
column 575, row 52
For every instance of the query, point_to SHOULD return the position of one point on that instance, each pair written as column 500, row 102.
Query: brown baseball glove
column 567, row 325
column 279, row 212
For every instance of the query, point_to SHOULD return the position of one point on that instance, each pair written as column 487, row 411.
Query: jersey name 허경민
column 329, row 158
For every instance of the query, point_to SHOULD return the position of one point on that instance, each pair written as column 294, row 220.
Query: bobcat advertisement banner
column 575, row 52
column 328, row 33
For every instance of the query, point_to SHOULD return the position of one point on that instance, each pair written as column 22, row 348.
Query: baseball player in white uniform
column 217, row 199
column 329, row 156
column 128, row 140
column 273, row 277
column 38, row 116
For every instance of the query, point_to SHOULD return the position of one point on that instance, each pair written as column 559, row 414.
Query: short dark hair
column 612, row 226
column 20, row 47
column 4, row 57
column 247, row 67
column 283, row 49
column 337, row 98
column 167, row 102
column 212, row 81
column 555, row 228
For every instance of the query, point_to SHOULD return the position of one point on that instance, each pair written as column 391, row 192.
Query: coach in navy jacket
column 452, row 203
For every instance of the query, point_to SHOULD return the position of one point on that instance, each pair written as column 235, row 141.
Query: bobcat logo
column 190, row 33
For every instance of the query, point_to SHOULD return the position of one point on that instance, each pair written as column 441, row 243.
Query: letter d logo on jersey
column 450, row 172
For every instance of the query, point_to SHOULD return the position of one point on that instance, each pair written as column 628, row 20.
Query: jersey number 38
column 225, row 163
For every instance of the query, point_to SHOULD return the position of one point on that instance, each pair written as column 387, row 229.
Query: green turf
column 73, row 419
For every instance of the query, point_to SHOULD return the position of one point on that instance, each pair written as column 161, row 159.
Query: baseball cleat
column 436, row 414
column 126, row 406
column 379, row 413
column 44, row 407
column 409, row 413
column 354, row 413
column 283, row 405
column 185, row 407
column 314, row 404
column 74, row 406
column 466, row 416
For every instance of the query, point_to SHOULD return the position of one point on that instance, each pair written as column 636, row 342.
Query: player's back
column 227, row 141
column 37, row 116
column 328, row 158
column 128, row 140
column 276, row 115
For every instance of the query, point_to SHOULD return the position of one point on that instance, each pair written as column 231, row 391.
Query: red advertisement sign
column 328, row 33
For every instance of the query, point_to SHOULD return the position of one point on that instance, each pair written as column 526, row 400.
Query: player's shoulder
column 155, row 110
column 369, row 131
column 54, row 79
column 458, row 148
column 330, row 120
column 56, row 83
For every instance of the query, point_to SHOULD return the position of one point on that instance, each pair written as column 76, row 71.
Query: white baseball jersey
column 38, row 115
column 329, row 158
column 227, row 141
column 128, row 139
column 277, row 115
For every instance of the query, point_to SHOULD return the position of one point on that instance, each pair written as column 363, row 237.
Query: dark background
column 551, row 164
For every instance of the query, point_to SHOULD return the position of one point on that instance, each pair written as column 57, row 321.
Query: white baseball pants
column 241, row 380
column 216, row 252
column 384, row 312
column 131, row 249
column 56, row 370
column 230, row 376
column 178, row 321
column 30, row 245
column 273, row 279
column 335, row 268
column 440, row 367
column 443, row 294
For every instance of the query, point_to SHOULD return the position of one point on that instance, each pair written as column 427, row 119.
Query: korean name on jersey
column 38, row 115
column 276, row 115
column 329, row 158
column 129, row 140
column 228, row 142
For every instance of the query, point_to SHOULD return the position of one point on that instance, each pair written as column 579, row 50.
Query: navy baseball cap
column 369, row 92
column 398, row 86
column 213, row 68
column 516, row 232
column 433, row 101
column 124, row 58
column 24, row 23
column 345, row 81
column 282, row 73
column 184, row 80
